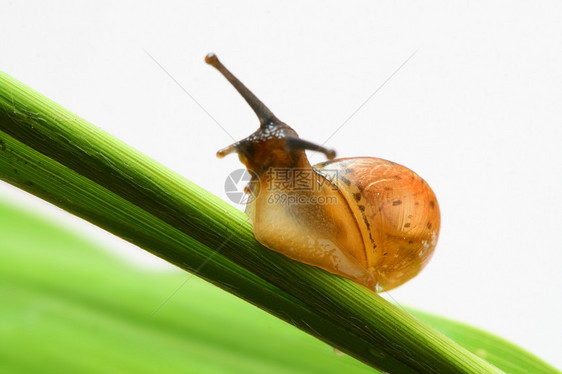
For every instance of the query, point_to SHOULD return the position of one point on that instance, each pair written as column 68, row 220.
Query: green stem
column 52, row 153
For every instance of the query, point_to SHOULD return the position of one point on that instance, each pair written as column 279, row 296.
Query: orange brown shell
column 396, row 212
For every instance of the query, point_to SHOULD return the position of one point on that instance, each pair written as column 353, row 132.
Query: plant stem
column 52, row 153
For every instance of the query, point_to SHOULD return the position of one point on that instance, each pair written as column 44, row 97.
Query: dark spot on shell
column 432, row 204
column 388, row 188
column 410, row 241
column 345, row 180
column 429, row 225
column 407, row 224
column 374, row 246
column 397, row 202
column 410, row 216
column 366, row 223
column 416, row 203
column 397, row 177
column 385, row 253
column 29, row 183
column 361, row 207
column 357, row 196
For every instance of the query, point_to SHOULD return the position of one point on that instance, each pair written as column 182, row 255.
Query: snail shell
column 397, row 214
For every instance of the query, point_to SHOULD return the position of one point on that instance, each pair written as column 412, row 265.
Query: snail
column 364, row 218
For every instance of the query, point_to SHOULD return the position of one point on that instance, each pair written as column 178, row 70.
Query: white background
column 477, row 112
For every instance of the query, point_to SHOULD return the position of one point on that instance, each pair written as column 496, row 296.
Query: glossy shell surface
column 396, row 212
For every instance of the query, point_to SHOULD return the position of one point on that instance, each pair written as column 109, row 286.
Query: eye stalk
column 274, row 144
column 265, row 115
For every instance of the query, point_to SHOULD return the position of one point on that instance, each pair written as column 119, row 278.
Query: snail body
column 367, row 219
